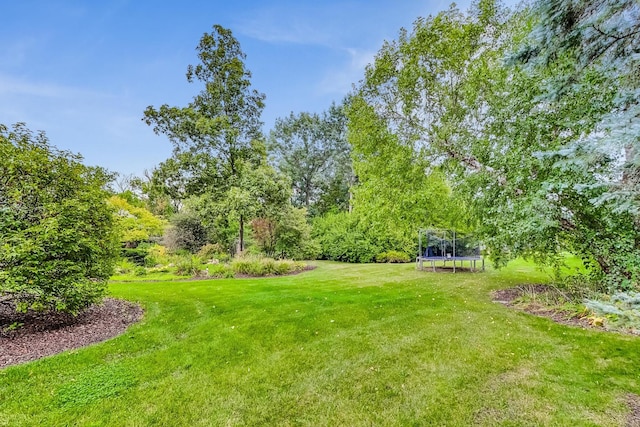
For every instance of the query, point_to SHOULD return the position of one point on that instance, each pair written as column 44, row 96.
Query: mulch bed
column 509, row 298
column 30, row 336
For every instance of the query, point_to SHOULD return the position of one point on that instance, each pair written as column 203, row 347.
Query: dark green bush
column 341, row 239
column 135, row 255
column 58, row 244
column 186, row 232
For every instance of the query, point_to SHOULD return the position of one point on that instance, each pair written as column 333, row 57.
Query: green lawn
column 342, row 345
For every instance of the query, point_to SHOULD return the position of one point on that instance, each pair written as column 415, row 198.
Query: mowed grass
column 342, row 345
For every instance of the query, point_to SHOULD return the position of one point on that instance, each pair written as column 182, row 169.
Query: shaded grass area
column 340, row 345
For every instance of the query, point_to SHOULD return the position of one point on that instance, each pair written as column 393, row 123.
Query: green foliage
column 221, row 271
column 511, row 140
column 135, row 223
column 186, row 232
column 312, row 151
column 622, row 310
column 293, row 236
column 156, row 255
column 393, row 257
column 397, row 189
column 188, row 265
column 217, row 137
column 136, row 255
column 260, row 266
column 342, row 239
column 287, row 236
column 213, row 252
column 57, row 239
column 124, row 266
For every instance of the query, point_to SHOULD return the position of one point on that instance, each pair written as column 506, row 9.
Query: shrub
column 222, row 271
column 393, row 257
column 293, row 236
column 124, row 266
column 58, row 245
column 256, row 266
column 188, row 266
column 249, row 266
column 212, row 251
column 135, row 255
column 186, row 232
column 341, row 239
column 140, row 271
column 156, row 255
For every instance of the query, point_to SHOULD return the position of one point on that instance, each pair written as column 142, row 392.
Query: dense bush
column 341, row 240
column 135, row 223
column 188, row 265
column 288, row 236
column 393, row 257
column 293, row 236
column 135, row 255
column 258, row 266
column 58, row 245
column 186, row 232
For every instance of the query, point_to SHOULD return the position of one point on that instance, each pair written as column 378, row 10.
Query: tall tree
column 218, row 132
column 312, row 150
column 602, row 41
column 507, row 134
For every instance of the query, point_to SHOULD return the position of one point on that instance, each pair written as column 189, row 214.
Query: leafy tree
column 440, row 98
column 312, row 150
column 396, row 188
column 186, row 232
column 218, row 133
column 507, row 135
column 135, row 224
column 57, row 239
column 294, row 235
column 287, row 236
column 588, row 54
column 259, row 192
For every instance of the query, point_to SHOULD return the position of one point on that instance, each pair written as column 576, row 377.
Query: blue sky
column 84, row 71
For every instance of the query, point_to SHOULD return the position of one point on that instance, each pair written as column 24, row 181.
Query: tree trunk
column 241, row 243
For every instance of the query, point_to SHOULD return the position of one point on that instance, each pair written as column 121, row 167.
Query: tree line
column 521, row 126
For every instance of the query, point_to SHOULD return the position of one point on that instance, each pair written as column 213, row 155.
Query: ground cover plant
column 344, row 344
column 205, row 265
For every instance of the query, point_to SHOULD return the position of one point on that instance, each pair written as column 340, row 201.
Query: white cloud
column 318, row 24
column 295, row 31
column 340, row 80
column 15, row 86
